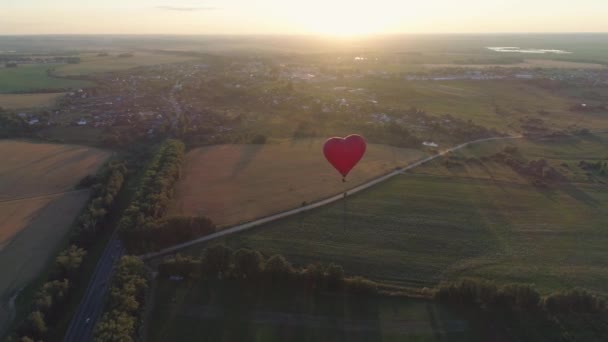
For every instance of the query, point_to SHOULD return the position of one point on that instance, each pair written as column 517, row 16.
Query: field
column 208, row 312
column 24, row 101
column 29, row 78
column 501, row 105
column 91, row 63
column 424, row 227
column 528, row 63
column 236, row 183
column 38, row 205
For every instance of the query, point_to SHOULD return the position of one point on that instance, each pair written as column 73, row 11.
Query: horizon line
column 301, row 34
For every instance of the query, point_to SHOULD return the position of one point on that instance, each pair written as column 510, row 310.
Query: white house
column 82, row 122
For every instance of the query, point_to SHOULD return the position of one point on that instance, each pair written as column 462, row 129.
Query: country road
column 278, row 216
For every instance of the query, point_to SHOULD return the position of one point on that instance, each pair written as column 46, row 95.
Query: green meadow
column 32, row 78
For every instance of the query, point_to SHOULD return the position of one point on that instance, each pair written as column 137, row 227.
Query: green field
column 494, row 104
column 421, row 228
column 29, row 78
column 205, row 311
column 91, row 63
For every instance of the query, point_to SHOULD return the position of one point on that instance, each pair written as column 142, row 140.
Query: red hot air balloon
column 344, row 153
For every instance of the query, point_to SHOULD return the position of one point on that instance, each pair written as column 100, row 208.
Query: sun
column 344, row 18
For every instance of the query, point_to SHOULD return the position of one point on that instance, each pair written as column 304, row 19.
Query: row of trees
column 49, row 301
column 487, row 295
column 249, row 265
column 105, row 191
column 140, row 226
column 123, row 309
column 169, row 231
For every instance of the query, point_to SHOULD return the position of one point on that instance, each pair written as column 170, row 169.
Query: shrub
column 574, row 301
column 259, row 139
column 361, row 286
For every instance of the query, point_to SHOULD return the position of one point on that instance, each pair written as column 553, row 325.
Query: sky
column 327, row 17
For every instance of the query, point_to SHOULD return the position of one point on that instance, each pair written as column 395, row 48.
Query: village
column 225, row 100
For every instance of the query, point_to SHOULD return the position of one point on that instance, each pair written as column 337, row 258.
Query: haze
column 342, row 18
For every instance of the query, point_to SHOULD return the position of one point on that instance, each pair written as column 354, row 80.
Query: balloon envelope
column 344, row 153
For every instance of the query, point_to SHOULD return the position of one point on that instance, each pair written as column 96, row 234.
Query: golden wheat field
column 237, row 183
column 38, row 204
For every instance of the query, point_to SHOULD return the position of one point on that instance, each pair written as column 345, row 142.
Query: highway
column 92, row 303
column 314, row 205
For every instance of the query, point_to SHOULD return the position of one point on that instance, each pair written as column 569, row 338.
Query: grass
column 235, row 183
column 91, row 63
column 25, row 101
column 37, row 206
column 475, row 100
column 31, row 78
column 208, row 311
column 419, row 229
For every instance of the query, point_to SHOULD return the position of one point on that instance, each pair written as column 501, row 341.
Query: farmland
column 204, row 311
column 432, row 224
column 38, row 205
column 235, row 183
column 528, row 63
column 489, row 103
column 24, row 101
column 32, row 78
column 91, row 63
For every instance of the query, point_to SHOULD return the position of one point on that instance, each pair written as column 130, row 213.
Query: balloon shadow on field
column 248, row 153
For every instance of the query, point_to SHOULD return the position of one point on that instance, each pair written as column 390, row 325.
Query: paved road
column 91, row 305
column 311, row 206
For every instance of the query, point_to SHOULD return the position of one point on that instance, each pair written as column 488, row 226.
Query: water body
column 520, row 50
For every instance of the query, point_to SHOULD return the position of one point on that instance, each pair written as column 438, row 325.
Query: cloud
column 186, row 9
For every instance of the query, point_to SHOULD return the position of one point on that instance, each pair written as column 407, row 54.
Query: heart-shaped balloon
column 344, row 153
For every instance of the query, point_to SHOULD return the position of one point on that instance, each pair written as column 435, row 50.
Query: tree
column 69, row 260
column 335, row 276
column 52, row 295
column 248, row 263
column 217, row 260
column 278, row 267
column 115, row 326
column 36, row 324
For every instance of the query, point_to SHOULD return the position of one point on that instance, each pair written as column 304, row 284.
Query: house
column 33, row 121
column 430, row 144
column 82, row 122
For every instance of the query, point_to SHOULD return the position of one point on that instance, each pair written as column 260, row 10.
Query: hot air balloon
column 344, row 153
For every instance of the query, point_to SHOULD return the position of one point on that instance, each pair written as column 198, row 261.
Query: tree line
column 523, row 313
column 221, row 262
column 124, row 306
column 143, row 226
column 488, row 295
column 51, row 298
